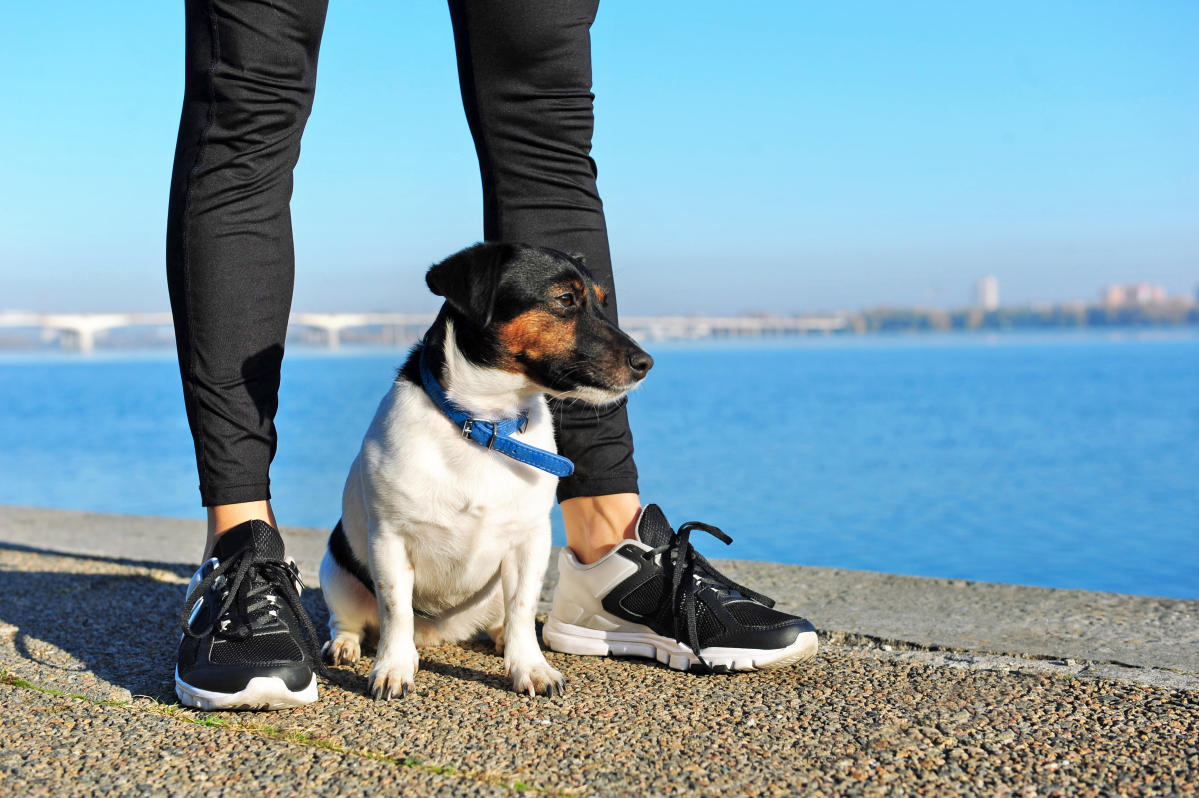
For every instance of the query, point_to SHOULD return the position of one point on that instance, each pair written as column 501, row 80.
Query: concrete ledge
column 886, row 609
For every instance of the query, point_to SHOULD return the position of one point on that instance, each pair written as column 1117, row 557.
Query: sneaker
column 247, row 642
column 657, row 597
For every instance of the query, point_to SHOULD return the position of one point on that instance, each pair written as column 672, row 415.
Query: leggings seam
column 185, row 235
column 487, row 171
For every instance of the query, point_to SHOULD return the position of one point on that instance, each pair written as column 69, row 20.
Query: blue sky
column 768, row 156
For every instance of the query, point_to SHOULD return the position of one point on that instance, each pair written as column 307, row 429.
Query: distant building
column 986, row 293
column 1119, row 294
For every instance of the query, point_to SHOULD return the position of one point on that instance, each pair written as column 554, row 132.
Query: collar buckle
column 468, row 428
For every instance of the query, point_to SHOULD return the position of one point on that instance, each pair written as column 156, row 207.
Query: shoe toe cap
column 234, row 678
column 754, row 625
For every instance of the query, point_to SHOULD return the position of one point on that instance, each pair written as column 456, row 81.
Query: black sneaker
column 657, row 597
column 247, row 642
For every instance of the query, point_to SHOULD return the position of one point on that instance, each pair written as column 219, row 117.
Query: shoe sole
column 260, row 693
column 567, row 638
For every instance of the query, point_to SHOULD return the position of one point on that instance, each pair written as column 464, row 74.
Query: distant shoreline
column 1170, row 313
column 84, row 332
column 298, row 345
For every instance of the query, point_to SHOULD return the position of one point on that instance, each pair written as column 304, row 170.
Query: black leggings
column 525, row 73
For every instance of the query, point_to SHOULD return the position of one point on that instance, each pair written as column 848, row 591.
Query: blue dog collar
column 495, row 435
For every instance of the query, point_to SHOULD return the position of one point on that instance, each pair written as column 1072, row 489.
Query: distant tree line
column 1164, row 314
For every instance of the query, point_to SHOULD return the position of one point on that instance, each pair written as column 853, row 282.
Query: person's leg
column 250, row 80
column 525, row 73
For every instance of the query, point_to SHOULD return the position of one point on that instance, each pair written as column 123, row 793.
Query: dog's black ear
column 579, row 256
column 468, row 279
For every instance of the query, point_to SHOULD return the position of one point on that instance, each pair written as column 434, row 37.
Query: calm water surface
column 1066, row 460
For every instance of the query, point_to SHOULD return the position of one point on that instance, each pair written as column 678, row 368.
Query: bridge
column 668, row 328
column 79, row 331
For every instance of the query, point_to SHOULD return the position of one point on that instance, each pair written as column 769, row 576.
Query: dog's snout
column 640, row 362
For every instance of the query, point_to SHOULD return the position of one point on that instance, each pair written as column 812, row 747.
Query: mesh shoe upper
column 243, row 619
column 679, row 594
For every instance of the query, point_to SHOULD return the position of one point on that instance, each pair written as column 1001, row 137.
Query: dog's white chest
column 459, row 506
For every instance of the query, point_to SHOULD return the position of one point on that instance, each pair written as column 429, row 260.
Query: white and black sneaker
column 657, row 597
column 247, row 642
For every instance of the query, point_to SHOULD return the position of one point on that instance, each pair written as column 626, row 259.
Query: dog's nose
column 640, row 362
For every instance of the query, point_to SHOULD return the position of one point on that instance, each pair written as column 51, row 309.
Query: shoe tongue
column 652, row 527
column 259, row 536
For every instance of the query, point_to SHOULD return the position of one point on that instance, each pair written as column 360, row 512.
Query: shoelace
column 689, row 568
column 277, row 578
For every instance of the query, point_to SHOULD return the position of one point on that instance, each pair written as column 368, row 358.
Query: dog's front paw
column 343, row 650
column 393, row 676
column 537, row 678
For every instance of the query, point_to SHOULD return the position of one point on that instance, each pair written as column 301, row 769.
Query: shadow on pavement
column 89, row 624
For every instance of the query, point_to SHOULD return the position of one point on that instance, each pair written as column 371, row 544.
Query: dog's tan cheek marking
column 538, row 335
column 600, row 294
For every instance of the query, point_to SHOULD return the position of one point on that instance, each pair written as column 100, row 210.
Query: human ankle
column 223, row 517
column 597, row 524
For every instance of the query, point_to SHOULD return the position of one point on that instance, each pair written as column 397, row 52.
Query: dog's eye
column 566, row 300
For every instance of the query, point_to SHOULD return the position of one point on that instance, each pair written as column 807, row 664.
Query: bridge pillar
column 78, row 339
column 332, row 337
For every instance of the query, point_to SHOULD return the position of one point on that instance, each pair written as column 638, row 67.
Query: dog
column 445, row 527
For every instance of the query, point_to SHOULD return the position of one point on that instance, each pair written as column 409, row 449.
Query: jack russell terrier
column 445, row 526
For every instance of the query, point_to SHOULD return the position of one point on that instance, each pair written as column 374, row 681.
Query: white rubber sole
column 568, row 638
column 262, row 692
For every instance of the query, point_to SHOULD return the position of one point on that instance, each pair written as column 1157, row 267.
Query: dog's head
column 538, row 312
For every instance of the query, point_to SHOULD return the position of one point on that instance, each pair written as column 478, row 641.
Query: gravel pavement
column 86, row 656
